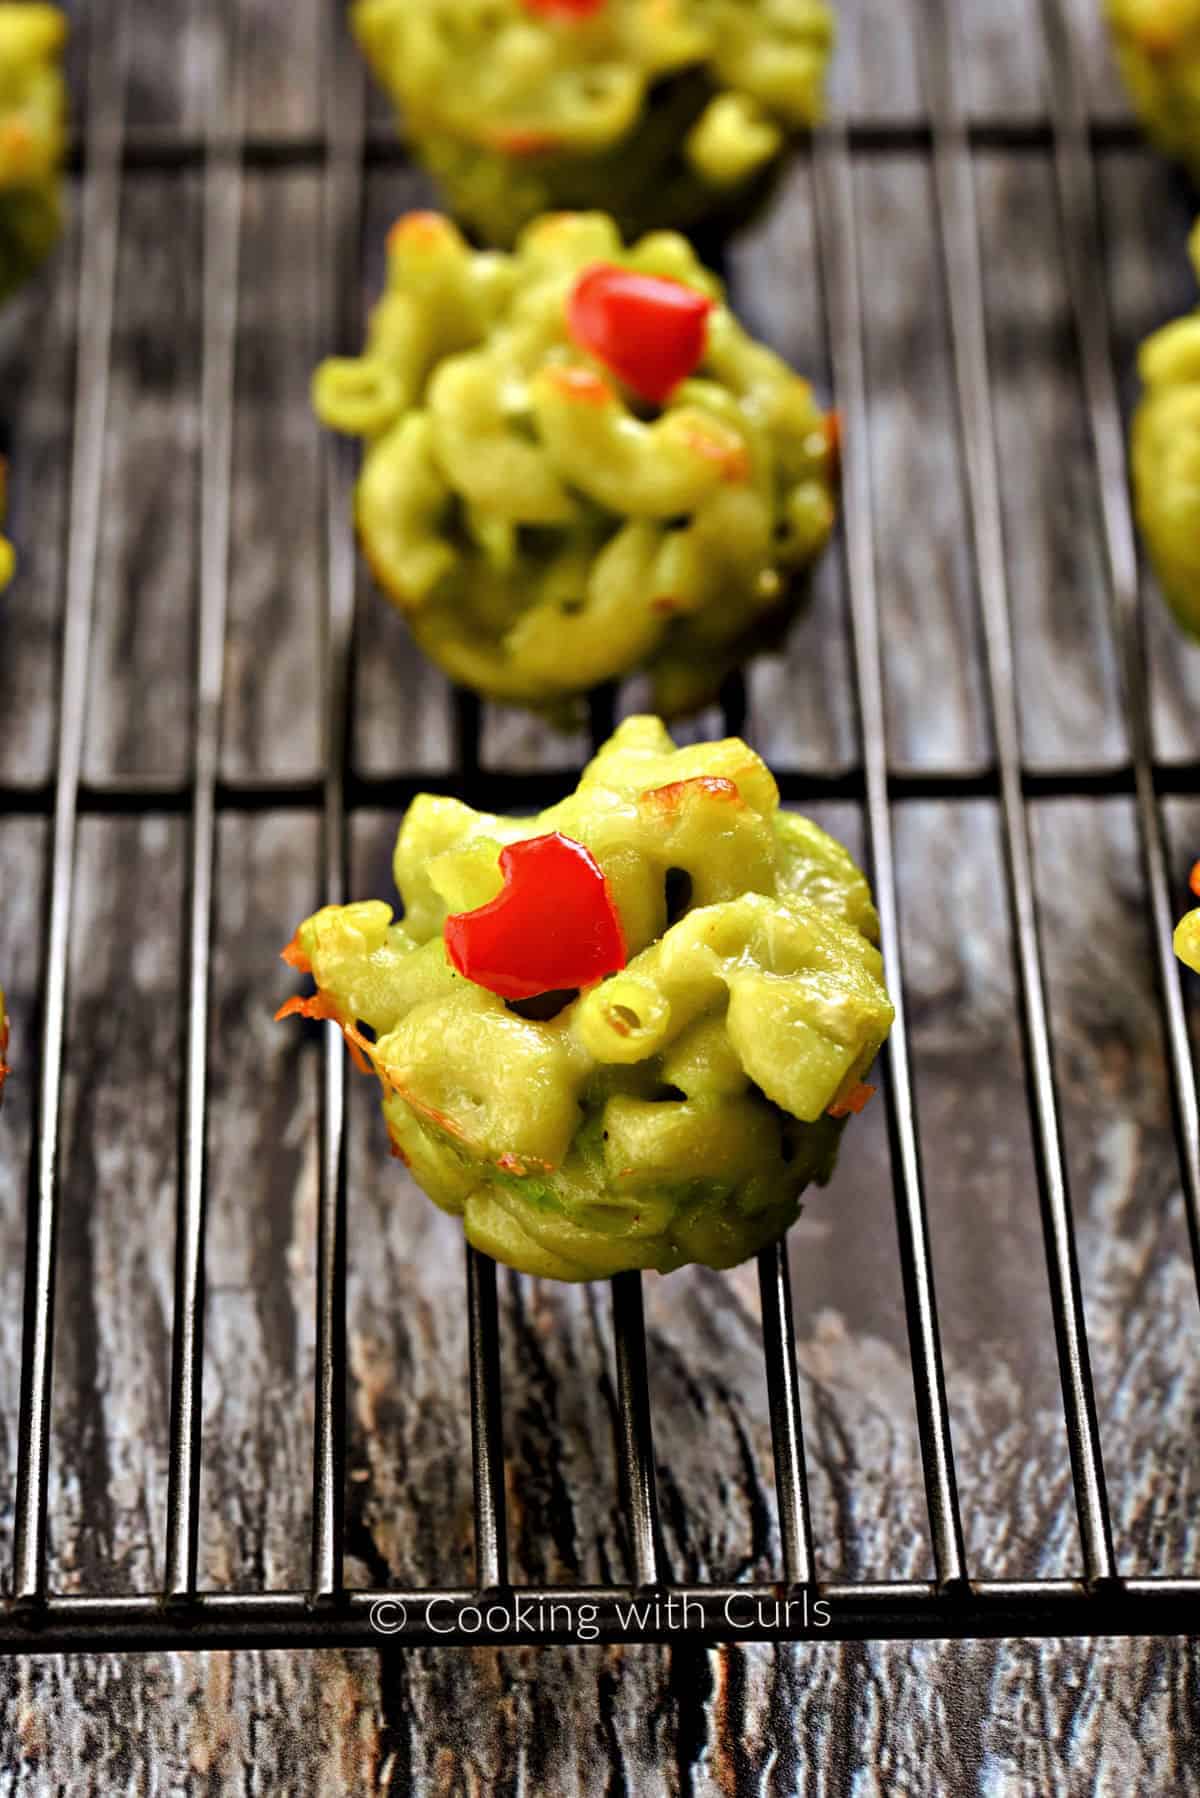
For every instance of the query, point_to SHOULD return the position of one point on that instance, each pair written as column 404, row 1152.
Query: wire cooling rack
column 648, row 1607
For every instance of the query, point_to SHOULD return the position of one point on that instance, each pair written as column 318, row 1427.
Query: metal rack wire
column 952, row 1604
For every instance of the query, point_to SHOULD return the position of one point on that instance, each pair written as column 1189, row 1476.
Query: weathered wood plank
column 119, row 1124
column 1003, row 59
column 1138, row 1281
column 37, row 340
column 282, row 61
column 260, row 1315
column 168, row 70
column 272, row 711
column 982, row 1193
column 22, row 851
column 816, row 1718
column 402, row 717
column 924, row 571
column 140, row 695
column 809, row 1719
column 796, row 716
column 1054, row 555
column 1148, row 212
column 1092, row 50
column 879, row 71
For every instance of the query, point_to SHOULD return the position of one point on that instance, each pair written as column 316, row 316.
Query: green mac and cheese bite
column 718, row 1000
column 577, row 463
column 1157, row 47
column 1165, row 458
column 32, row 136
column 660, row 112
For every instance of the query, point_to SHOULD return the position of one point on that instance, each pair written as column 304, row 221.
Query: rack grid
column 326, row 1613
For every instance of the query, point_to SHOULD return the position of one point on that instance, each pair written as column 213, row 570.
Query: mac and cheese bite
column 625, row 1033
column 661, row 112
column 577, row 463
column 32, row 137
column 1165, row 458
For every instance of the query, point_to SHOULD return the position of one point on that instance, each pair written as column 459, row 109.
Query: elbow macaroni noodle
column 541, row 534
column 32, row 136
column 1157, row 47
column 1165, row 456
column 671, row 1113
column 659, row 111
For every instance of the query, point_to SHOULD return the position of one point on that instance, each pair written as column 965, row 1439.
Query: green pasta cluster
column 1157, row 47
column 663, row 112
column 32, row 136
column 1165, row 456
column 673, row 1112
column 541, row 530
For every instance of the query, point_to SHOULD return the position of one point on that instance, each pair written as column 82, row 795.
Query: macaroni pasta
column 32, row 134
column 659, row 111
column 1157, row 47
column 673, row 1112
column 541, row 531
column 1165, row 455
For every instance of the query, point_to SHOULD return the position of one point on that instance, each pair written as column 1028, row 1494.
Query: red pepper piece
column 650, row 331
column 564, row 9
column 553, row 926
column 1194, row 879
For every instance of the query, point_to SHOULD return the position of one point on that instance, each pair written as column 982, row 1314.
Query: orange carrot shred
column 295, row 956
column 833, row 435
column 359, row 1047
column 856, row 1100
column 584, row 384
column 422, row 227
column 513, row 141
column 323, row 1010
column 700, row 786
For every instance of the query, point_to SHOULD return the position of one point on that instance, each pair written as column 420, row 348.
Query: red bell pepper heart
column 650, row 331
column 553, row 926
column 564, row 9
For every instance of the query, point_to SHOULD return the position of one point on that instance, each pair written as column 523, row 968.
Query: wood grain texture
column 796, row 698
column 37, row 344
column 272, row 713
column 844, row 1721
column 1150, row 282
column 142, row 665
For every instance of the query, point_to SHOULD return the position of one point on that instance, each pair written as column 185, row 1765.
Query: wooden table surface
column 997, row 1718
